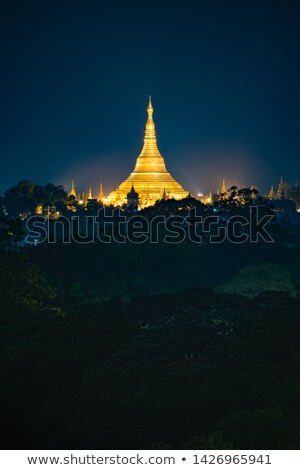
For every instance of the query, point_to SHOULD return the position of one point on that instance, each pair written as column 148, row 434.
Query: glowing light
column 150, row 178
column 39, row 209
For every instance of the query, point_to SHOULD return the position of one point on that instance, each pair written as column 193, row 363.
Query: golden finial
column 150, row 127
column 150, row 108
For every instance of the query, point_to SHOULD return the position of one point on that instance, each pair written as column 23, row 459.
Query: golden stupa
column 150, row 178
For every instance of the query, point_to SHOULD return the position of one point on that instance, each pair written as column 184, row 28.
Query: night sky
column 224, row 79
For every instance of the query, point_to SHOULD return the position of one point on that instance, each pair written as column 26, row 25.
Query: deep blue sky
column 75, row 79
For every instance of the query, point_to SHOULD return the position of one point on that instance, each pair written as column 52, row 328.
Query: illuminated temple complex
column 150, row 178
column 150, row 182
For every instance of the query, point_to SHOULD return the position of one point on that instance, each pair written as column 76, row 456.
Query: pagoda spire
column 90, row 194
column 150, row 159
column 223, row 190
column 72, row 192
column 150, row 126
column 281, row 189
column 272, row 194
column 101, row 193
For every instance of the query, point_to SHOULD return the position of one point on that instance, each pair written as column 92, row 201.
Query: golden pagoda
column 281, row 189
column 86, row 197
column 150, row 177
column 272, row 194
column 90, row 194
column 209, row 199
column 101, row 195
column 72, row 192
column 223, row 190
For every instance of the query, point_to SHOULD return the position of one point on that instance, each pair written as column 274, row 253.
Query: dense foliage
column 88, row 360
column 190, row 345
column 23, row 199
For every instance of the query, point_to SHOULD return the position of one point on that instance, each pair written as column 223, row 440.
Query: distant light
column 200, row 195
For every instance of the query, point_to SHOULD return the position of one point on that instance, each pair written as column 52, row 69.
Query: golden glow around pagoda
column 150, row 177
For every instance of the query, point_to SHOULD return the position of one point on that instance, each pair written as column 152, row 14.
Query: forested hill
column 96, row 272
column 194, row 369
